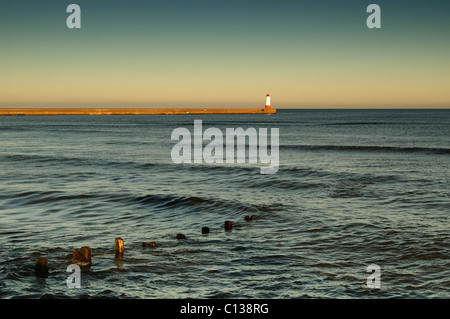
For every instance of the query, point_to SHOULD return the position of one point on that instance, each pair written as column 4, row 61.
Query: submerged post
column 149, row 244
column 41, row 267
column 228, row 225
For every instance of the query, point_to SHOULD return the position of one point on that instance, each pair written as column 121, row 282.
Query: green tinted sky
column 224, row 54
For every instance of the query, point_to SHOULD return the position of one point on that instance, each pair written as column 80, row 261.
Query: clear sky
column 225, row 53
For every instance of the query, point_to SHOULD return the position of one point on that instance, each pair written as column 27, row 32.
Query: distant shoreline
column 55, row 111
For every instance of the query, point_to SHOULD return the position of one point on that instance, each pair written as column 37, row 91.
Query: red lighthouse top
column 267, row 95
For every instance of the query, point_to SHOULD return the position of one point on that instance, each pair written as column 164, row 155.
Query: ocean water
column 354, row 188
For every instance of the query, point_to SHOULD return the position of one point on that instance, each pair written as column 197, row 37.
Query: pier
column 125, row 111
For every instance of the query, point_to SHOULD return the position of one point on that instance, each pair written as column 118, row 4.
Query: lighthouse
column 267, row 102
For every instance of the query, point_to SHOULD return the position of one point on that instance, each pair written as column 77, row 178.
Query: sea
column 359, row 208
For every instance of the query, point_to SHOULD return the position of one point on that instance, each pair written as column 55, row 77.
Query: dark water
column 354, row 188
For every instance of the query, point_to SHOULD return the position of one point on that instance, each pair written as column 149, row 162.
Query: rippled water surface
column 354, row 188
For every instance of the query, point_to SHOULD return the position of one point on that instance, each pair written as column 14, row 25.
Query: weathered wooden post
column 119, row 246
column 149, row 244
column 205, row 230
column 83, row 256
column 181, row 236
column 41, row 267
column 228, row 225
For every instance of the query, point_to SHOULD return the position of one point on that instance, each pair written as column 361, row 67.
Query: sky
column 225, row 53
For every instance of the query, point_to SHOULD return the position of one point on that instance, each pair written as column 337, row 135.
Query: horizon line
column 443, row 107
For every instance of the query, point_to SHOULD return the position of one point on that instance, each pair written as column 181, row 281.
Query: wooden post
column 41, row 267
column 149, row 244
column 249, row 217
column 205, row 230
column 228, row 225
column 86, row 252
column 119, row 246
column 83, row 256
column 181, row 236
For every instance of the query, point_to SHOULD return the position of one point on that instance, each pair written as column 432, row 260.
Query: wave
column 72, row 161
column 375, row 123
column 43, row 197
column 156, row 201
column 364, row 148
column 95, row 161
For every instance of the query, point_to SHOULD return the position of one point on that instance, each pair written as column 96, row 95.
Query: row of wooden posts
column 83, row 257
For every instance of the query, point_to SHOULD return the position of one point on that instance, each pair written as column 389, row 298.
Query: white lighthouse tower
column 267, row 102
